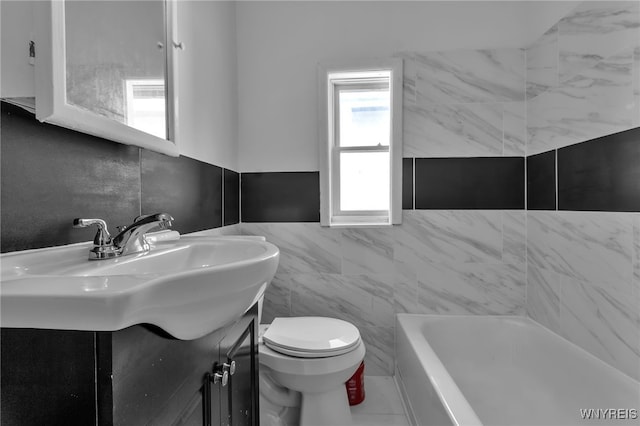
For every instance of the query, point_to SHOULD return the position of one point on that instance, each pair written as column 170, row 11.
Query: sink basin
column 188, row 287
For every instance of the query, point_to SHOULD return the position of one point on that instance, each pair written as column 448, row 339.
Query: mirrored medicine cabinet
column 107, row 68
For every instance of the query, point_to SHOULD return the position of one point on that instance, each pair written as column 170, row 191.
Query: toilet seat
column 315, row 367
column 311, row 337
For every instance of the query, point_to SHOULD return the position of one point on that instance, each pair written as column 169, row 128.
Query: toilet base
column 325, row 408
column 272, row 415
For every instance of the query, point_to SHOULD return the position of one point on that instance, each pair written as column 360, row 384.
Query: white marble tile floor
column 382, row 405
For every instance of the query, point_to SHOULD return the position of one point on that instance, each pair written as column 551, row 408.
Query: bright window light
column 364, row 181
column 146, row 106
column 361, row 145
column 364, row 117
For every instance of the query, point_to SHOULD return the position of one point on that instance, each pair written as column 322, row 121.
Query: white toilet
column 305, row 362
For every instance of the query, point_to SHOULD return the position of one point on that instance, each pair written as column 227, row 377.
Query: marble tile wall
column 464, row 103
column 583, row 279
column 436, row 262
column 583, row 76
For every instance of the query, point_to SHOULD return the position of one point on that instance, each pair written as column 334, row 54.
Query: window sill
column 360, row 222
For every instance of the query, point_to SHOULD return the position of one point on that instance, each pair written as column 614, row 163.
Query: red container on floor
column 355, row 386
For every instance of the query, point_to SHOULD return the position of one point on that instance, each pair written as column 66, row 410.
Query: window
column 361, row 144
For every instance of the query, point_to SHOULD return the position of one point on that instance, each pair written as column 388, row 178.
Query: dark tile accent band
column 541, row 181
column 469, row 183
column 188, row 189
column 51, row 175
column 280, row 197
column 602, row 174
column 231, row 197
column 407, row 183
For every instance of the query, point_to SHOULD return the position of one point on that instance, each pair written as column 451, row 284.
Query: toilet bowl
column 305, row 362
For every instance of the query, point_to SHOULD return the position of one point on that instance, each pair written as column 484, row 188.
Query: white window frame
column 369, row 73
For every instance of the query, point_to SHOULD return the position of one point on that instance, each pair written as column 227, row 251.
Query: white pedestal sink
column 188, row 287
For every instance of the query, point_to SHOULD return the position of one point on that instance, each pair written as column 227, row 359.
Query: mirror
column 106, row 68
column 115, row 61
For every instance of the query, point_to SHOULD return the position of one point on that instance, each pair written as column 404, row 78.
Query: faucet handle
column 103, row 237
column 83, row 223
column 164, row 219
column 142, row 216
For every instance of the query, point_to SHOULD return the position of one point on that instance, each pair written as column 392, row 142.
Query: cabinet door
column 239, row 355
column 194, row 413
column 157, row 379
column 18, row 26
column 48, row 377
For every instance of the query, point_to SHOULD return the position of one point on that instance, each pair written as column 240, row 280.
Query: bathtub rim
column 415, row 326
column 531, row 321
column 456, row 405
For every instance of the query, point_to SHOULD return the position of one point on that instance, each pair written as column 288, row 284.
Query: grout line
column 526, row 263
column 139, row 181
column 502, row 104
column 556, row 186
column 502, row 219
column 222, row 203
column 413, row 178
column 526, row 184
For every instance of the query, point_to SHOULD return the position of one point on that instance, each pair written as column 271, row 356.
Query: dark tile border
column 602, row 174
column 469, row 183
column 188, row 189
column 51, row 175
column 541, row 181
column 407, row 183
column 231, row 197
column 280, row 197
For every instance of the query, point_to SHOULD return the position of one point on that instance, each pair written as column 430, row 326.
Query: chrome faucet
column 131, row 239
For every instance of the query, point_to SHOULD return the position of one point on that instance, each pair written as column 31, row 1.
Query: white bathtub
column 490, row 370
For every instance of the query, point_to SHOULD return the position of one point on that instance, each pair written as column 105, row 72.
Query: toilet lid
column 311, row 337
